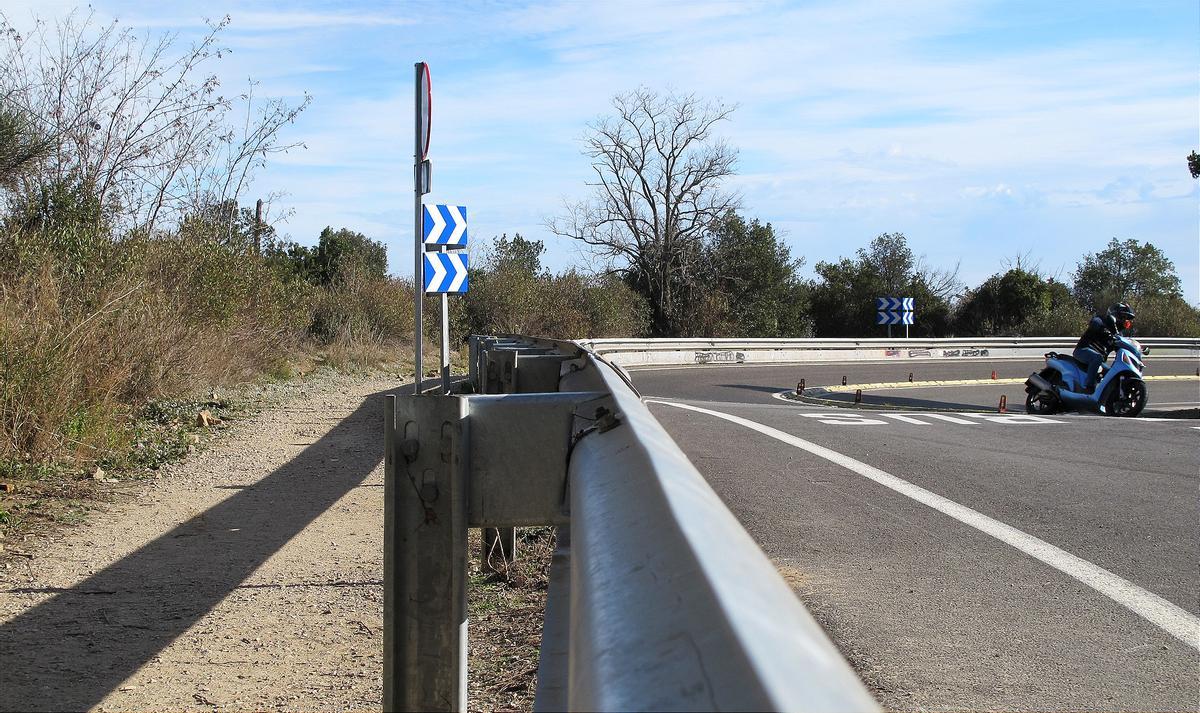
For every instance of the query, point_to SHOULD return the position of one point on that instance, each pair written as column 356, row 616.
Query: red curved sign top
column 426, row 95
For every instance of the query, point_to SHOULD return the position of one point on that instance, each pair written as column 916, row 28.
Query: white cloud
column 854, row 118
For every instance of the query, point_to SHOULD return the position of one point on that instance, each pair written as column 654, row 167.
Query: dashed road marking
column 875, row 418
column 1172, row 619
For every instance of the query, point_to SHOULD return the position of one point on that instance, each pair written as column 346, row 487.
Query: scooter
column 1120, row 391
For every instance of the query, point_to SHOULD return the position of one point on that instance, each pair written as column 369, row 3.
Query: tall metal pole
column 418, row 247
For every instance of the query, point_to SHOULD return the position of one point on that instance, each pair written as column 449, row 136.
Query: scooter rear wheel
column 1041, row 403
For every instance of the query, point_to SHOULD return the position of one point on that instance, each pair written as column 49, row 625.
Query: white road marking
column 950, row 419
column 1017, row 418
column 1172, row 619
column 905, row 418
column 845, row 419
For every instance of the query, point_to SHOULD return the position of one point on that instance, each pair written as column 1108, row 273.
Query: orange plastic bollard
column 993, row 373
column 1003, row 404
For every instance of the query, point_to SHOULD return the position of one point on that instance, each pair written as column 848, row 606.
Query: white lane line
column 1172, row 619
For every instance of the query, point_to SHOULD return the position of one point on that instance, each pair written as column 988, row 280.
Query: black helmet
column 1121, row 311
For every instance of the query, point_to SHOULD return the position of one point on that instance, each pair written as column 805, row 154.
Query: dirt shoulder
column 247, row 577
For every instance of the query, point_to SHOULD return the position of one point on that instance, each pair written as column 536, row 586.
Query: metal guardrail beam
column 649, row 352
column 602, row 346
column 673, row 606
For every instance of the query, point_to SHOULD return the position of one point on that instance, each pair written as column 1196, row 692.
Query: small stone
column 98, row 473
column 206, row 419
column 195, row 438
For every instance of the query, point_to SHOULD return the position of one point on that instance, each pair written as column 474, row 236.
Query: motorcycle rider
column 1097, row 341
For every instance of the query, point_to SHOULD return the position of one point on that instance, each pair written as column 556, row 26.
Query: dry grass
column 505, row 614
column 75, row 367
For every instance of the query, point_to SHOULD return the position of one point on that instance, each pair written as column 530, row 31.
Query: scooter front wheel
column 1126, row 399
column 1041, row 403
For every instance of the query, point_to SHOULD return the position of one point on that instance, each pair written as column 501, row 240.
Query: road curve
column 966, row 560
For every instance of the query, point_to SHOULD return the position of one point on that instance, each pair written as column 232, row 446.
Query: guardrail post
column 425, row 545
column 499, row 545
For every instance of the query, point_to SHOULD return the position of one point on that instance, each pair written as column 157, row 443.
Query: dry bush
column 363, row 308
column 570, row 305
column 80, row 351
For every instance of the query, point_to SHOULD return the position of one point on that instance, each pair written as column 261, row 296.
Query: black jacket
column 1100, row 334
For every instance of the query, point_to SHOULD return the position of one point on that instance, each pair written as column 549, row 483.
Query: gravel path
column 247, row 577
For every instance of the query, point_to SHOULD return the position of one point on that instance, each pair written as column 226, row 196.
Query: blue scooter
column 1120, row 391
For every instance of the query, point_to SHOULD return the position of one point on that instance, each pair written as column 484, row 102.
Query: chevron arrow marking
column 458, row 217
column 458, row 266
column 434, row 224
column 435, row 272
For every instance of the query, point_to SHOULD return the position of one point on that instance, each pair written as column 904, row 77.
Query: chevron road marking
column 1172, row 619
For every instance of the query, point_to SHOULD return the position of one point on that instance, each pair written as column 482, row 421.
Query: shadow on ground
column 914, row 403
column 70, row 651
column 753, row 387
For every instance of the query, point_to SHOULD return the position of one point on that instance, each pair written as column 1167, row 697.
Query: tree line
column 660, row 217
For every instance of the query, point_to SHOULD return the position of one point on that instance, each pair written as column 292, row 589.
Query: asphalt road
column 966, row 561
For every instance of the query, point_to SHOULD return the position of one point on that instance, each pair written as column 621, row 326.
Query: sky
column 983, row 131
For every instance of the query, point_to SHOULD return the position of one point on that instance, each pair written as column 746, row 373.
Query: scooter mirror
column 1145, row 351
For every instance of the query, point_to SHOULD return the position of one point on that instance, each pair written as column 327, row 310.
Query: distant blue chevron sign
column 445, row 225
column 894, row 304
column 446, row 272
column 894, row 318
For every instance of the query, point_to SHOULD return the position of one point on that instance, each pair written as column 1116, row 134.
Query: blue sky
column 981, row 130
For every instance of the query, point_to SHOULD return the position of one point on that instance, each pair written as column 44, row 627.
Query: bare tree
column 138, row 121
column 657, row 194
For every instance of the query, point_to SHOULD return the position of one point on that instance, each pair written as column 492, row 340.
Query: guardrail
column 649, row 352
column 659, row 599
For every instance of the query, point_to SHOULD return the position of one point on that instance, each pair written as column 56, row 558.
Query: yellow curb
column 966, row 382
column 918, row 384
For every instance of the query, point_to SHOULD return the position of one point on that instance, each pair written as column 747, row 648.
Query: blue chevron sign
column 446, row 272
column 894, row 318
column 445, row 225
column 894, row 304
